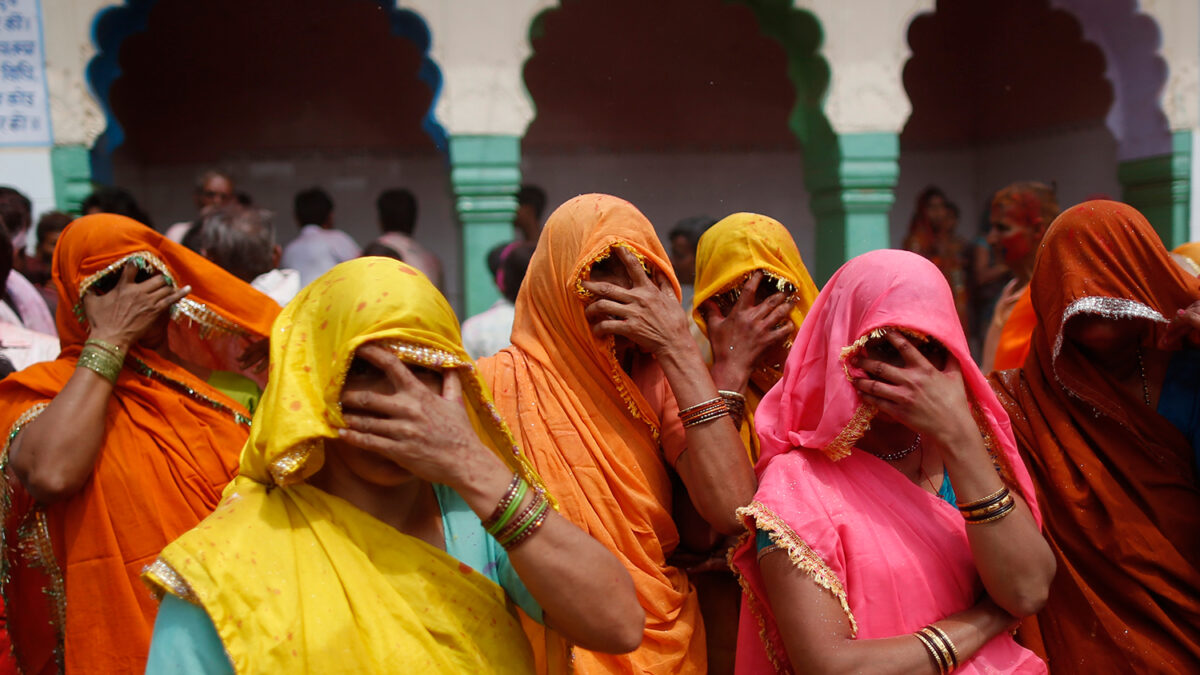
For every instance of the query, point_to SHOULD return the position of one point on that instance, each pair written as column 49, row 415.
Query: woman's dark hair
column 109, row 199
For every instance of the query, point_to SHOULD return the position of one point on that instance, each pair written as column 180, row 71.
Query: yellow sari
column 728, row 253
column 297, row 580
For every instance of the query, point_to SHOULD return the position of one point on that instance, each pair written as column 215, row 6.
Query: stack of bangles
column 737, row 406
column 511, row 528
column 991, row 508
column 704, row 412
column 103, row 358
column 940, row 648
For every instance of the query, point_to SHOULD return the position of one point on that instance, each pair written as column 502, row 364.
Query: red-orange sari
column 71, row 570
column 1115, row 480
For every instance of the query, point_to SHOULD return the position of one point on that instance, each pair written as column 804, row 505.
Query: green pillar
column 72, row 172
column 1160, row 187
column 851, row 179
column 485, row 174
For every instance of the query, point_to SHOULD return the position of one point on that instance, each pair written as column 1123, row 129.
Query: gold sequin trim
column 615, row 372
column 285, row 468
column 756, row 603
column 161, row 577
column 34, row 543
column 209, row 321
column 146, row 257
column 804, row 558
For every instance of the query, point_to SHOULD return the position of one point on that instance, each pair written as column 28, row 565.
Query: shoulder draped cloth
column 894, row 556
column 731, row 251
column 1115, row 480
column 298, row 580
column 590, row 431
column 170, row 446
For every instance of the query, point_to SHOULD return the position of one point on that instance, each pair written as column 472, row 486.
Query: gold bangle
column 975, row 514
column 106, row 346
column 946, row 657
column 945, row 637
column 737, row 406
column 979, row 503
column 100, row 362
column 703, row 412
column 705, row 418
column 933, row 651
column 1010, row 507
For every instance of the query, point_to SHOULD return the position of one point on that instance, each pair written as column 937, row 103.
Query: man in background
column 397, row 210
column 213, row 188
column 242, row 242
column 531, row 204
column 491, row 330
column 319, row 246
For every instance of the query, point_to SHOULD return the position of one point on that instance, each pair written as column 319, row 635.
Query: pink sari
column 894, row 556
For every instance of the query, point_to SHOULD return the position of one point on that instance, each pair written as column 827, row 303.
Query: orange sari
column 1013, row 347
column 592, row 432
column 71, row 570
column 1114, row 480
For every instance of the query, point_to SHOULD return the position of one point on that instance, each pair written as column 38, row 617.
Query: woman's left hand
column 427, row 434
column 648, row 313
column 929, row 401
column 1185, row 325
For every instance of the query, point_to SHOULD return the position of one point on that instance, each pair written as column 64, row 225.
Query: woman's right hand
column 124, row 314
column 741, row 337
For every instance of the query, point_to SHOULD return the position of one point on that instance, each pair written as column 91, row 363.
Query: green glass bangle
column 508, row 512
column 541, row 509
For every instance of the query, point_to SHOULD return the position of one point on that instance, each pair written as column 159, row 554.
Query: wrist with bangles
column 988, row 509
column 511, row 528
column 937, row 642
column 704, row 412
column 103, row 358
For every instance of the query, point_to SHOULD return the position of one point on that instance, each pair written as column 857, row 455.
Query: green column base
column 485, row 174
column 852, row 181
column 1160, row 187
column 72, row 172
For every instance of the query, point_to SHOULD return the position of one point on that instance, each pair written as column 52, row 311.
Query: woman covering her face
column 752, row 293
column 122, row 443
column 1107, row 416
column 351, row 540
column 601, row 364
column 894, row 528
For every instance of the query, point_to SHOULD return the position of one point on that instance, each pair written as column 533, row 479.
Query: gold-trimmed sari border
column 615, row 372
column 161, row 578
column 801, row 554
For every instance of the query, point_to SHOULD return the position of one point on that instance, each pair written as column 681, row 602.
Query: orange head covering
column 591, row 433
column 171, row 444
column 1115, row 481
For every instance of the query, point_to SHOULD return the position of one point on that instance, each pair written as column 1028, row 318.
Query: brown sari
column 1115, row 481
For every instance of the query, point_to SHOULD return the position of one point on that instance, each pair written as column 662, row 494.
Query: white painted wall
column 670, row 187
column 1083, row 163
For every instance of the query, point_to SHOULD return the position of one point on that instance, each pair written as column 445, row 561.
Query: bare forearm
column 584, row 591
column 578, row 583
column 715, row 467
column 1011, row 555
column 730, row 375
column 54, row 455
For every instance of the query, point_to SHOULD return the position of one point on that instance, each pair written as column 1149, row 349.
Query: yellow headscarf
column 727, row 254
column 298, row 580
